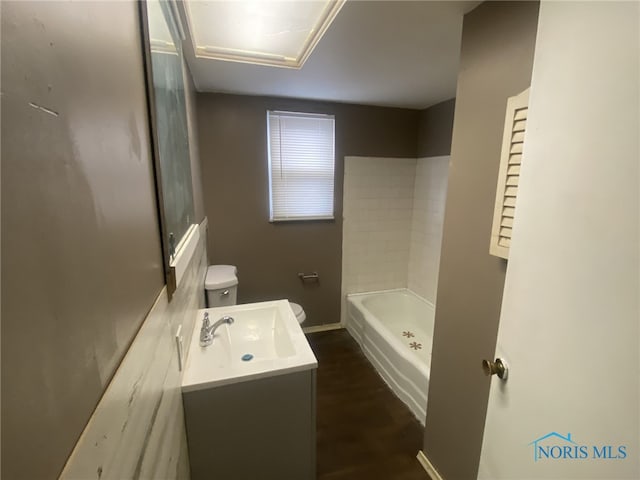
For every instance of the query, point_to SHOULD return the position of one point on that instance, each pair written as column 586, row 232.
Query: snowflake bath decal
column 408, row 334
column 415, row 345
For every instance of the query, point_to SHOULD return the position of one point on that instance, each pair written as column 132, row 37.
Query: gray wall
column 233, row 147
column 435, row 129
column 81, row 257
column 498, row 41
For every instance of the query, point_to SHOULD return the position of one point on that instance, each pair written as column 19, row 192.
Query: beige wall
column 435, row 129
column 233, row 148
column 81, row 256
column 498, row 41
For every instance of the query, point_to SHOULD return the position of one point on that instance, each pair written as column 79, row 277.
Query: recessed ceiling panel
column 264, row 32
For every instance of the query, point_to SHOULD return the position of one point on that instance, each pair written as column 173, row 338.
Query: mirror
column 166, row 92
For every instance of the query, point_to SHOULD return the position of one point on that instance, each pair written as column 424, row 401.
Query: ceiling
column 387, row 53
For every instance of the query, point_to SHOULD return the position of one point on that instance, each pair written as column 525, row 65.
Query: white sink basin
column 266, row 331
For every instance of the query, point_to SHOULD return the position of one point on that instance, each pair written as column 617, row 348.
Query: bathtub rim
column 390, row 290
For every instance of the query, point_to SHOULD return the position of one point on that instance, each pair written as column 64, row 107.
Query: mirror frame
column 169, row 271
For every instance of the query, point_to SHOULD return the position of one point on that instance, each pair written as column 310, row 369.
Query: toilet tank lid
column 220, row 276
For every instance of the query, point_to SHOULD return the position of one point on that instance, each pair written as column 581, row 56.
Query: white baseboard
column 428, row 467
column 323, row 328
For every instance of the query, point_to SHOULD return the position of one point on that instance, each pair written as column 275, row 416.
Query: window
column 301, row 166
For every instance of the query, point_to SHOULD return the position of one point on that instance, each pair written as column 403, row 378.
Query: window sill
column 302, row 219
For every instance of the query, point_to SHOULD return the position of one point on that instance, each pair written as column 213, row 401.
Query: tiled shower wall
column 378, row 201
column 392, row 223
column 429, row 198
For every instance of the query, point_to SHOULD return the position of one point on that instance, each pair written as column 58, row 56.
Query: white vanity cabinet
column 249, row 397
column 263, row 429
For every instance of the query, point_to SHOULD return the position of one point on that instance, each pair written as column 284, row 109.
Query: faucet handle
column 205, row 320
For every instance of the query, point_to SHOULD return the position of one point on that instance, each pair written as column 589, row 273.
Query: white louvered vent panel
column 509, row 174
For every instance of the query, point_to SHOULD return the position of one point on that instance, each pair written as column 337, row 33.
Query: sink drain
column 246, row 357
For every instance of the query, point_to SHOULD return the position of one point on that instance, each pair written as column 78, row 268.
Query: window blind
column 301, row 165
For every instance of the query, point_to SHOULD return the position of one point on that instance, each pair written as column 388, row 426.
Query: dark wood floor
column 364, row 430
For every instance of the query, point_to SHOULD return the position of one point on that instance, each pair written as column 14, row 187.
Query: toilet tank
column 221, row 285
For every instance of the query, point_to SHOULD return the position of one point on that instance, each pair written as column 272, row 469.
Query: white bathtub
column 395, row 331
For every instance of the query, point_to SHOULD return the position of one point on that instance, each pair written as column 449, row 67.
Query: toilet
column 221, row 286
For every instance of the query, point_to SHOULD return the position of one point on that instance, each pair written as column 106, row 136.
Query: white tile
column 427, row 221
column 393, row 236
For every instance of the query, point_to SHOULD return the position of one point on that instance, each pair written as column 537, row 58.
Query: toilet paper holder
column 313, row 276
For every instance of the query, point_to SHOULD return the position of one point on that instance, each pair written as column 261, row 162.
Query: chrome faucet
column 207, row 330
